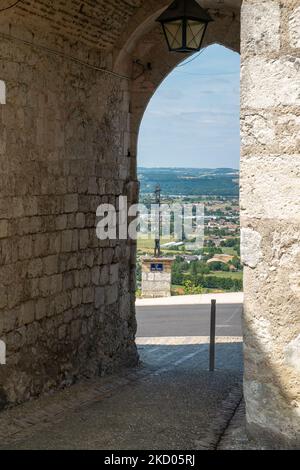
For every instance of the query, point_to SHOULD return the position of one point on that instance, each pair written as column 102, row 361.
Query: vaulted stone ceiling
column 96, row 23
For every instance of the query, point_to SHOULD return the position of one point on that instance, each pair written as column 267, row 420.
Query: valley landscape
column 216, row 267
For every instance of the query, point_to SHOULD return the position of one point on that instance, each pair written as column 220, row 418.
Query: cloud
column 195, row 118
column 170, row 94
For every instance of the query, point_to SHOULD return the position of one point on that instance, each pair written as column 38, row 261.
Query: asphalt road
column 188, row 320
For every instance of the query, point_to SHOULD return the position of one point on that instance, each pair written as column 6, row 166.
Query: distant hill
column 190, row 181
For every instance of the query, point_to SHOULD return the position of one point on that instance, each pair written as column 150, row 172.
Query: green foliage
column 138, row 293
column 193, row 272
column 191, row 289
column 195, row 276
column 231, row 242
column 236, row 263
column 228, row 284
column 138, row 273
column 218, row 266
column 212, row 250
column 177, row 278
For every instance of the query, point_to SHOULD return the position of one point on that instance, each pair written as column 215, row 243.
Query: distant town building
column 190, row 258
column 172, row 244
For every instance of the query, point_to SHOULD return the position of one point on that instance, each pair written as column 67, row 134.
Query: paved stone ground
column 169, row 402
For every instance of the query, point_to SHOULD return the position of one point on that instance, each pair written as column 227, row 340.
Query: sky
column 193, row 118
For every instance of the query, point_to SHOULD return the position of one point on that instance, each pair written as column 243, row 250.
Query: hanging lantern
column 184, row 24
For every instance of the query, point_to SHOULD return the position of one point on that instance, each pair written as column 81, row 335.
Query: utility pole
column 157, row 270
column 157, row 252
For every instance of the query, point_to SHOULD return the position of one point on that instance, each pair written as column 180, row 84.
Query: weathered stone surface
column 292, row 354
column 250, row 247
column 294, row 29
column 278, row 177
column 270, row 182
column 261, row 26
column 278, row 82
column 258, row 129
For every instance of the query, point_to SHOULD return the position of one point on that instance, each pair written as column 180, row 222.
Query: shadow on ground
column 174, row 403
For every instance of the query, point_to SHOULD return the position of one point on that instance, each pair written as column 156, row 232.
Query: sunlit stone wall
column 270, row 211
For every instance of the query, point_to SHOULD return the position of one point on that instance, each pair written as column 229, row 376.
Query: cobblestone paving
column 170, row 401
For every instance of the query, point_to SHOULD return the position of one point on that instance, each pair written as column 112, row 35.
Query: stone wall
column 66, row 299
column 156, row 282
column 270, row 210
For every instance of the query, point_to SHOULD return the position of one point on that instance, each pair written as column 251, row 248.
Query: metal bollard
column 212, row 345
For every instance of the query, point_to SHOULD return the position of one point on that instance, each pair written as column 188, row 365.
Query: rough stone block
column 96, row 275
column 258, row 129
column 50, row 265
column 88, row 295
column 99, row 296
column 35, row 268
column 104, row 275
column 269, row 83
column 294, row 28
column 3, row 297
column 260, row 26
column 111, row 294
column 83, row 239
column 3, row 228
column 275, row 176
column 71, row 203
column 250, row 247
column 28, row 312
column 61, row 222
column 66, row 240
column 114, row 273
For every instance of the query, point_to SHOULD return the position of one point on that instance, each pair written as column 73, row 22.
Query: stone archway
column 69, row 128
column 270, row 382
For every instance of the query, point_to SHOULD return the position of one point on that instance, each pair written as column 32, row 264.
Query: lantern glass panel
column 194, row 33
column 173, row 30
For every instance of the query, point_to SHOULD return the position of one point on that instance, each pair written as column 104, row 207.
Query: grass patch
column 229, row 251
column 232, row 275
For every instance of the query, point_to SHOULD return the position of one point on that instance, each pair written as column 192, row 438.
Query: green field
column 229, row 251
column 226, row 274
column 232, row 275
column 145, row 243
